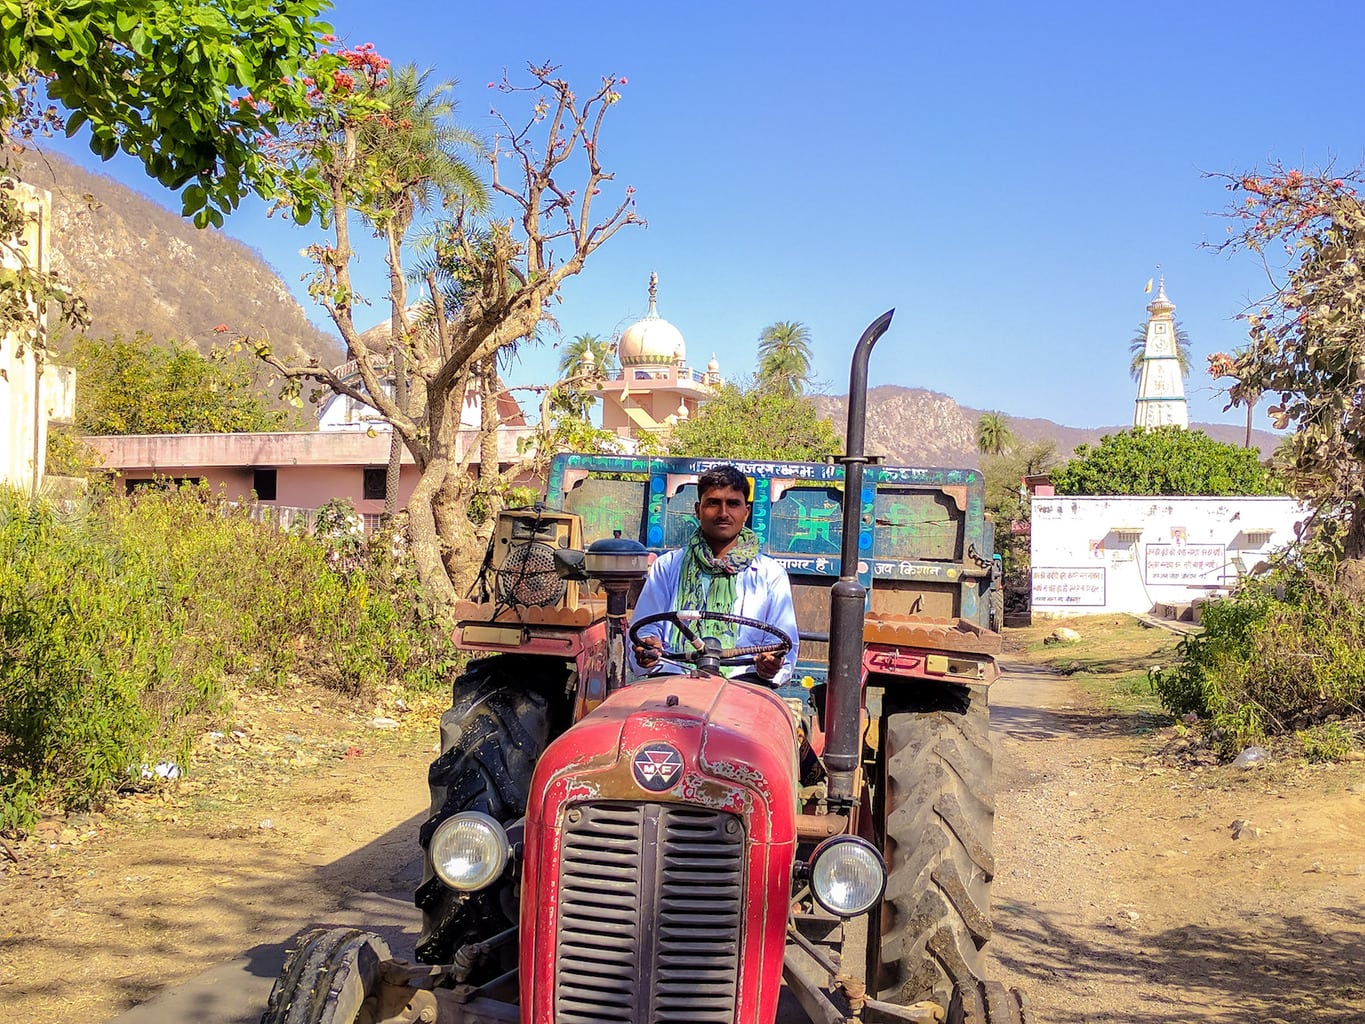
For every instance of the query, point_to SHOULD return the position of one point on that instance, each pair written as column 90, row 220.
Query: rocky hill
column 143, row 268
column 915, row 427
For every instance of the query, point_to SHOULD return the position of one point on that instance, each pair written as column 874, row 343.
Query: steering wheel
column 706, row 652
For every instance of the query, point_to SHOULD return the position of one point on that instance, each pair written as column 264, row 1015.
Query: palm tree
column 571, row 359
column 1222, row 365
column 414, row 149
column 784, row 356
column 993, row 434
column 1138, row 348
column 574, row 400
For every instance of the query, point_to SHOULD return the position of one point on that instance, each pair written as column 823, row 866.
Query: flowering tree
column 186, row 88
column 489, row 282
column 1223, row 366
column 1307, row 346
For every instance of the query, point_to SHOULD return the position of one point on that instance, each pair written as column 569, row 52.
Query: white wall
column 1128, row 554
column 23, row 417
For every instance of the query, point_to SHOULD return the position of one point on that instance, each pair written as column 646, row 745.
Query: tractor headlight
column 469, row 850
column 847, row 875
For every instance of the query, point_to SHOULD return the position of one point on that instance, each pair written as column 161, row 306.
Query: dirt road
column 1123, row 893
column 1126, row 892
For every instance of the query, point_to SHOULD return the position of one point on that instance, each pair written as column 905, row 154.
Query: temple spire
column 1161, row 384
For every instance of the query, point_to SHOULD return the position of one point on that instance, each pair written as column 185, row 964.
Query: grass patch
column 1110, row 661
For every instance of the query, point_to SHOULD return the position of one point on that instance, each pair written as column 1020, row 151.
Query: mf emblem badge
column 657, row 767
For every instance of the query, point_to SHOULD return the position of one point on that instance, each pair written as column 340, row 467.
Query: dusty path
column 289, row 823
column 1121, row 893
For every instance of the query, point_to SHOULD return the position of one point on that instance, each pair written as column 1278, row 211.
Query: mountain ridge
column 915, row 426
column 141, row 267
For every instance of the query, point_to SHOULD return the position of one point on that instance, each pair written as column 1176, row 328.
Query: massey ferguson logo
column 657, row 766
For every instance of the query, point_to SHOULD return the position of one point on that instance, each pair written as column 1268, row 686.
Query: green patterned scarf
column 699, row 566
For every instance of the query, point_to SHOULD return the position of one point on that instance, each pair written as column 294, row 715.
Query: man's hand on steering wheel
column 767, row 665
column 766, row 658
column 648, row 649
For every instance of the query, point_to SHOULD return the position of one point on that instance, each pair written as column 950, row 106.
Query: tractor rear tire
column 328, row 978
column 504, row 712
column 938, row 809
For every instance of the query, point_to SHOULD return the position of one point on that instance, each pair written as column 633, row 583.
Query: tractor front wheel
column 331, row 976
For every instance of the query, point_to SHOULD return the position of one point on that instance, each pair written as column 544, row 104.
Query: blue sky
column 1007, row 176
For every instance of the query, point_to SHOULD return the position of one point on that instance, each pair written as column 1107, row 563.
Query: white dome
column 651, row 340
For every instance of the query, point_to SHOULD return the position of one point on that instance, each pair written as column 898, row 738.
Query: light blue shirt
column 762, row 592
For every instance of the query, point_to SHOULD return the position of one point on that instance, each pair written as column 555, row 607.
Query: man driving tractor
column 720, row 569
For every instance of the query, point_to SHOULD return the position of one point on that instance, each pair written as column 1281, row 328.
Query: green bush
column 68, row 455
column 1280, row 654
column 125, row 627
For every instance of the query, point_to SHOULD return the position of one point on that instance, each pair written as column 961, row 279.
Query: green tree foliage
column 1006, row 503
column 142, row 387
column 1306, row 343
column 1137, row 347
column 993, row 434
column 784, row 356
column 68, row 455
column 123, row 626
column 1164, row 460
column 187, row 88
column 575, row 400
column 756, row 422
column 603, row 355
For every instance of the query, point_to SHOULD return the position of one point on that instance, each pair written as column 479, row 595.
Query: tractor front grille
column 650, row 908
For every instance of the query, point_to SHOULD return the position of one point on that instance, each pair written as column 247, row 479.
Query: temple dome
column 651, row 340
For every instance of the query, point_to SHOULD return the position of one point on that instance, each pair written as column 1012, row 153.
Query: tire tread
column 939, row 810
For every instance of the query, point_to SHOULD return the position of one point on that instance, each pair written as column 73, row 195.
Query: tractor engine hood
column 720, row 744
column 675, row 794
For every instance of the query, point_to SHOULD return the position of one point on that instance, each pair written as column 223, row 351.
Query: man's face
column 721, row 513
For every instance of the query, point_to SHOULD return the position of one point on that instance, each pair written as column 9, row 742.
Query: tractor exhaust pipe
column 848, row 597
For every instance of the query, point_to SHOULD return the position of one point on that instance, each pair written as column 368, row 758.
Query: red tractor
column 688, row 847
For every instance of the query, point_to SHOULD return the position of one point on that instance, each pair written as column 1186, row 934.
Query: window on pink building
column 374, row 483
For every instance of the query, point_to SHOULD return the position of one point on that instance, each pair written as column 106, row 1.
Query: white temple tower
column 1161, row 386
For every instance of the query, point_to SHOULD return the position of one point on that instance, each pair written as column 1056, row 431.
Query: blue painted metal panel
column 912, row 525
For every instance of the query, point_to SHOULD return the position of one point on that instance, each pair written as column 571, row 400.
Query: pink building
column 289, row 470
column 346, row 457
